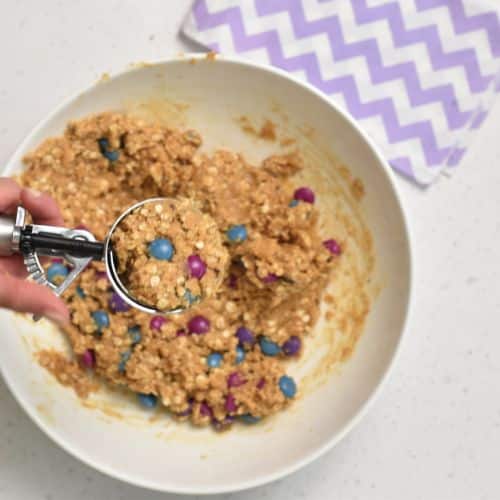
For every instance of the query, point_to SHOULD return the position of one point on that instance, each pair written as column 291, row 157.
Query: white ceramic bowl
column 155, row 452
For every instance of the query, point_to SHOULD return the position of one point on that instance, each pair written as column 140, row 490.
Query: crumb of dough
column 357, row 189
column 287, row 141
column 68, row 372
column 267, row 131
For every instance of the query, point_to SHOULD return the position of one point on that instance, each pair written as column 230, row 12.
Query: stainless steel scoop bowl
column 111, row 263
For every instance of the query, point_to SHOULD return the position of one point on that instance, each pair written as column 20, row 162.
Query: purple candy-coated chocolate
column 235, row 379
column 230, row 404
column 101, row 275
column 181, row 333
column 245, row 336
column 197, row 267
column 233, row 281
column 292, row 346
column 270, row 278
column 198, row 324
column 117, row 304
column 57, row 260
column 88, row 358
column 187, row 411
column 261, row 383
column 205, row 410
column 332, row 246
column 304, row 194
column 157, row 322
column 220, row 425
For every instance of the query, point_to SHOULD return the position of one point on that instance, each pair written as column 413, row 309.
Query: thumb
column 25, row 296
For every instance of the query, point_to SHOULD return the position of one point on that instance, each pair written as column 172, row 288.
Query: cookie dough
column 170, row 254
column 225, row 359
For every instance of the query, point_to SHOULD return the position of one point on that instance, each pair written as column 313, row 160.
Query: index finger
column 10, row 195
column 42, row 207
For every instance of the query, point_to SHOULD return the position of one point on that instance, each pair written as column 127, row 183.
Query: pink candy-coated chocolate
column 270, row 278
column 304, row 194
column 197, row 267
column 230, row 404
column 88, row 358
column 157, row 322
column 198, row 324
column 235, row 379
column 205, row 410
column 233, row 281
column 332, row 246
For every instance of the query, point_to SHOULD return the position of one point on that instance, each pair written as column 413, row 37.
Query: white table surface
column 435, row 431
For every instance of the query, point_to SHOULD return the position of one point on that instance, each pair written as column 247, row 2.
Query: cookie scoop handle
column 10, row 233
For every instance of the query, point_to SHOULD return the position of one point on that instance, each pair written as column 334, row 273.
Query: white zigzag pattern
column 450, row 41
column 320, row 44
column 390, row 55
column 479, row 6
column 373, row 125
column 477, row 40
column 357, row 67
column 220, row 35
column 441, row 18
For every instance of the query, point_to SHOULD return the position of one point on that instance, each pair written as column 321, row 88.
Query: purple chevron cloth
column 418, row 75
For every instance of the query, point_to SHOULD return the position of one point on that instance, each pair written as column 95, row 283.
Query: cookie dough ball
column 170, row 254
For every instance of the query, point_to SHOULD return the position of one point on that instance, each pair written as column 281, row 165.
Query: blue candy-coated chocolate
column 240, row 354
column 214, row 360
column 57, row 270
column 237, row 233
column 135, row 334
column 287, row 386
column 161, row 249
column 124, row 357
column 147, row 400
column 248, row 418
column 268, row 347
column 101, row 319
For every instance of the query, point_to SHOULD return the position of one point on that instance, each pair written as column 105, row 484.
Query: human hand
column 15, row 292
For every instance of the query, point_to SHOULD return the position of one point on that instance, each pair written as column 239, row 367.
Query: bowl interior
column 109, row 431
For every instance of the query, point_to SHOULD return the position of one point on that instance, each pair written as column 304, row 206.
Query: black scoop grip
column 31, row 242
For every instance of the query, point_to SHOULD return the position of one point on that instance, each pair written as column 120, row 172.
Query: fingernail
column 56, row 317
column 34, row 192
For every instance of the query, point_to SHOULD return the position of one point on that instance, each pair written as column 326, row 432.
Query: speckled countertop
column 435, row 431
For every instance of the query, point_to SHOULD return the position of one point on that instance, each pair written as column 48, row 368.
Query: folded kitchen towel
column 418, row 75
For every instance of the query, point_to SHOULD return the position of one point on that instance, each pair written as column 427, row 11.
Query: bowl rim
column 361, row 411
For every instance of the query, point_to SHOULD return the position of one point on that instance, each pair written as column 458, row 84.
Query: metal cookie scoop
column 78, row 246
column 111, row 262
